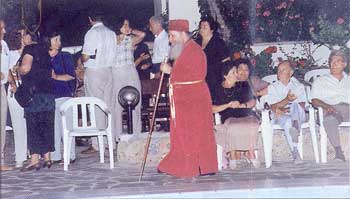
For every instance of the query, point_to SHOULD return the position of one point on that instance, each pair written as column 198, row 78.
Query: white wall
column 159, row 7
column 185, row 9
column 321, row 54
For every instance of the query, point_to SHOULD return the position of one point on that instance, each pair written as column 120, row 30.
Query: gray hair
column 337, row 53
column 289, row 64
column 158, row 19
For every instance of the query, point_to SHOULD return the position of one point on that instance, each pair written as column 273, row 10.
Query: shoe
column 5, row 168
column 255, row 163
column 47, row 164
column 61, row 162
column 57, row 161
column 340, row 157
column 159, row 171
column 19, row 164
column 296, row 156
column 339, row 154
column 89, row 150
column 207, row 174
column 36, row 166
column 233, row 164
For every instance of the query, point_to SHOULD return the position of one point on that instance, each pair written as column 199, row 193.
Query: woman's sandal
column 47, row 163
column 36, row 166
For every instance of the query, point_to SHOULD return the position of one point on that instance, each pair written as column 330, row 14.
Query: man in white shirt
column 5, row 64
column 161, row 43
column 98, row 55
column 287, row 99
column 332, row 93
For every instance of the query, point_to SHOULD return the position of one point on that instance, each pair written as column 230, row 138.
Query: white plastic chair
column 219, row 148
column 267, row 130
column 312, row 75
column 88, row 106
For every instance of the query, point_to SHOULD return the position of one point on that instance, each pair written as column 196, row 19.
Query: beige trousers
column 3, row 121
column 331, row 122
column 98, row 83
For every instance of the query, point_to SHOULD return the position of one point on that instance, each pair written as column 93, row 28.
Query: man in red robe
column 193, row 146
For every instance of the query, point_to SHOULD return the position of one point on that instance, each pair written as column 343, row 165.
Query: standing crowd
column 204, row 79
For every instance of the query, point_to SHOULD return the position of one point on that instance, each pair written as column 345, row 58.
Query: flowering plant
column 283, row 20
column 262, row 63
column 331, row 33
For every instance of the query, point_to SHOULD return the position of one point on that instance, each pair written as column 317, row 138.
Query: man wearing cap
column 193, row 147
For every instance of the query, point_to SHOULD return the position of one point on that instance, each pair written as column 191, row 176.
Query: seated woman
column 245, row 73
column 234, row 101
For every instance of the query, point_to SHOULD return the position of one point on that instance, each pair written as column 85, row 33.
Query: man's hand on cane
column 165, row 68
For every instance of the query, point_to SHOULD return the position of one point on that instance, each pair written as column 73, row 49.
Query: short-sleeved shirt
column 62, row 63
column 240, row 92
column 277, row 91
column 330, row 90
column 160, row 47
column 100, row 41
column 5, row 61
column 14, row 57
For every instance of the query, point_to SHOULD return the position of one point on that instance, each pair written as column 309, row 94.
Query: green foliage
column 264, row 65
column 331, row 33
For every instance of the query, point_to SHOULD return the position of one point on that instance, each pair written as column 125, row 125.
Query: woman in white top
column 18, row 40
column 125, row 73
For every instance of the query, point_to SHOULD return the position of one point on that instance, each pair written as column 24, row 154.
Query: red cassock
column 192, row 141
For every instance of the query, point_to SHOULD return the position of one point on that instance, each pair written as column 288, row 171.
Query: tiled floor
column 87, row 178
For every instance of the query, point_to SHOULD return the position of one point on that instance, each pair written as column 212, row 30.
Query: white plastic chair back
column 88, row 107
column 310, row 77
column 270, row 78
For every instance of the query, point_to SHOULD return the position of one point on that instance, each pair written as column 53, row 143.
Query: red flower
column 270, row 49
column 284, row 5
column 340, row 21
column 266, row 13
column 253, row 62
column 311, row 29
column 258, row 6
column 236, row 55
column 302, row 63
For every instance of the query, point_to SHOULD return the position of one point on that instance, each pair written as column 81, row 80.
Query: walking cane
column 152, row 124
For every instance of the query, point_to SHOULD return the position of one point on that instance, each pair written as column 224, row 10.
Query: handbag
column 24, row 94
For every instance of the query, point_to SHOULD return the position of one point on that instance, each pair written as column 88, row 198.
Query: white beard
column 176, row 50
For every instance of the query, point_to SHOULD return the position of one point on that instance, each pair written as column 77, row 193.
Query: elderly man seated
column 332, row 93
column 287, row 99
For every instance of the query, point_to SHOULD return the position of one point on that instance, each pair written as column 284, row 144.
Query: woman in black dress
column 215, row 50
column 35, row 70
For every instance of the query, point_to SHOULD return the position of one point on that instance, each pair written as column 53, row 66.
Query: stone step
column 131, row 147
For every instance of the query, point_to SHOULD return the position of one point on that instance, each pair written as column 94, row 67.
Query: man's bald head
column 285, row 71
